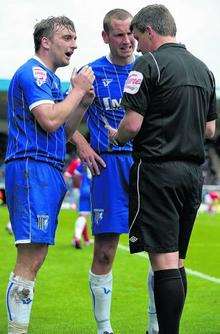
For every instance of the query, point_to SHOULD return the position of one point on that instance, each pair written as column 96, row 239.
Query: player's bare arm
column 52, row 116
column 76, row 116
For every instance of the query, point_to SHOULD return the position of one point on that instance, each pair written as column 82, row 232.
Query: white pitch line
column 189, row 271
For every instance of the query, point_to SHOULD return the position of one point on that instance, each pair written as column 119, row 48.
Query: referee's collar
column 167, row 45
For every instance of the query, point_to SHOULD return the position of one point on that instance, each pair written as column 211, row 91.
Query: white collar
column 109, row 59
column 40, row 61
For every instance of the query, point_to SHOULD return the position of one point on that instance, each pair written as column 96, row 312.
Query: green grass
column 62, row 303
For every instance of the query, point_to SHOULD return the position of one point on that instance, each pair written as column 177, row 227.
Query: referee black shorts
column 163, row 202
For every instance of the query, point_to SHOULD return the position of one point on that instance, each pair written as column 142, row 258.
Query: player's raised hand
column 84, row 79
column 88, row 98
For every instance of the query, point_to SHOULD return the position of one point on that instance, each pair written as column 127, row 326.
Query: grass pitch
column 62, row 303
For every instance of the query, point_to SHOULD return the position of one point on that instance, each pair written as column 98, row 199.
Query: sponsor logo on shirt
column 106, row 82
column 40, row 75
column 133, row 82
column 111, row 104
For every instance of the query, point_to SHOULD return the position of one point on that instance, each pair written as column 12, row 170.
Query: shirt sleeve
column 36, row 85
column 212, row 113
column 136, row 95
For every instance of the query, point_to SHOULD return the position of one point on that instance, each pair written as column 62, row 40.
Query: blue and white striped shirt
column 33, row 84
column 109, row 85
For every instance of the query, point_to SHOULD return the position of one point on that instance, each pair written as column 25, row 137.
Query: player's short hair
column 46, row 28
column 156, row 16
column 118, row 14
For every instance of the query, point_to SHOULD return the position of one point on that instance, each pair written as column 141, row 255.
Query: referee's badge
column 98, row 215
column 133, row 82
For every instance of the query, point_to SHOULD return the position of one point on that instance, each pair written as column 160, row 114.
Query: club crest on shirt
column 133, row 82
column 40, row 75
column 42, row 222
column 98, row 215
column 106, row 82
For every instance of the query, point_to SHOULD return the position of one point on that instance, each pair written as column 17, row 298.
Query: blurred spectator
column 72, row 181
column 84, row 207
column 211, row 199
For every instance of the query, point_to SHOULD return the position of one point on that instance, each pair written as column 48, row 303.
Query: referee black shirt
column 175, row 93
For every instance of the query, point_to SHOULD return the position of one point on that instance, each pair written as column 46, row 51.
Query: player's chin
column 126, row 54
column 65, row 62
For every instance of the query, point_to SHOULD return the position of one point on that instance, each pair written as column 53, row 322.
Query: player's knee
column 35, row 265
column 104, row 258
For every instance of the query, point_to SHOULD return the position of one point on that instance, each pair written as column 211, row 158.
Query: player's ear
column 45, row 42
column 105, row 37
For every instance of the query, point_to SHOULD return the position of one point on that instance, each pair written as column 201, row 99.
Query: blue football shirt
column 33, row 84
column 109, row 85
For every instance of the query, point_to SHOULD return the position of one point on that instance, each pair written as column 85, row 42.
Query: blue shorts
column 109, row 193
column 34, row 194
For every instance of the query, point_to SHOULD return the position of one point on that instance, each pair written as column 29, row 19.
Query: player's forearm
column 77, row 138
column 72, row 124
column 68, row 108
column 52, row 116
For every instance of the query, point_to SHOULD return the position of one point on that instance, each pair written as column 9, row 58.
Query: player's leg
column 100, row 279
column 34, row 197
column 79, row 227
column 109, row 220
column 9, row 228
column 84, row 211
column 85, row 234
column 20, row 291
column 152, row 314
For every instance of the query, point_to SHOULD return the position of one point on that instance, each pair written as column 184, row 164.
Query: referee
column 170, row 105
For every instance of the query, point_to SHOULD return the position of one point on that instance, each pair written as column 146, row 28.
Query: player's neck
column 121, row 61
column 45, row 61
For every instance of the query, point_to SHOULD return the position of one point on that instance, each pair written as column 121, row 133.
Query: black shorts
column 163, row 202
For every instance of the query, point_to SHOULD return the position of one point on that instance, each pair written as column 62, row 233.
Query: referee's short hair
column 156, row 16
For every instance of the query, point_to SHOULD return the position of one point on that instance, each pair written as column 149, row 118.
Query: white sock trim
column 18, row 279
column 100, row 279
